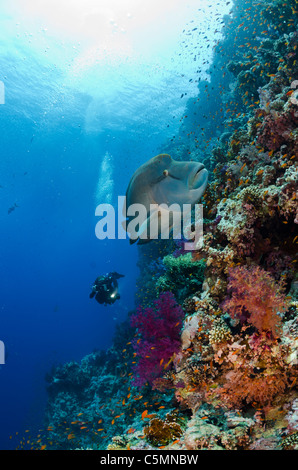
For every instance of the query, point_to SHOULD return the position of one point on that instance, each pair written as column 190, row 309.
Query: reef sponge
column 255, row 297
column 158, row 328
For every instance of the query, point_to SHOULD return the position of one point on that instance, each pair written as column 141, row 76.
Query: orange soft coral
column 253, row 371
column 255, row 297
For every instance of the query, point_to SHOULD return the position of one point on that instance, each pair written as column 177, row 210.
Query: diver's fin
column 117, row 275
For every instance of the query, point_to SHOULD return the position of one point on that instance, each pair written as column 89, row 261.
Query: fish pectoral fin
column 134, row 232
column 143, row 241
column 159, row 224
column 142, row 234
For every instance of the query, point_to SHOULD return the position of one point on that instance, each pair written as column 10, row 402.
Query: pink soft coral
column 159, row 337
column 255, row 297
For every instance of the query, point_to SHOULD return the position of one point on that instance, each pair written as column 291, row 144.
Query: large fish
column 162, row 180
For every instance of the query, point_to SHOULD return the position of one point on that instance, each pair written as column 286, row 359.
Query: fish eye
column 165, row 172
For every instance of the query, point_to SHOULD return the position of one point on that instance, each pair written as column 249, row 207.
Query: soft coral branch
column 158, row 329
column 255, row 297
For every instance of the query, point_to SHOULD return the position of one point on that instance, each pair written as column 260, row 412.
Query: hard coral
column 203, row 433
column 277, row 129
column 290, row 442
column 178, row 270
column 220, row 333
column 161, row 432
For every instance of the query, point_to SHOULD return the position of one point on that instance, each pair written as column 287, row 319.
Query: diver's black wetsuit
column 105, row 288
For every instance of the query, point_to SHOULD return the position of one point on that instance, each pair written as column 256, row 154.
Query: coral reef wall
column 230, row 380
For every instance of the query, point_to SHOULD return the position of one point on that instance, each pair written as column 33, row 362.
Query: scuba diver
column 105, row 288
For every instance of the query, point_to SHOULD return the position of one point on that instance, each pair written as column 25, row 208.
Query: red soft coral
column 159, row 337
column 255, row 297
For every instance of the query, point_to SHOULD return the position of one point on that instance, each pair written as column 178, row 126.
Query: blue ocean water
column 80, row 115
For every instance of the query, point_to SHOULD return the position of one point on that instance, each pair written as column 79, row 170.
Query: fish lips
column 198, row 178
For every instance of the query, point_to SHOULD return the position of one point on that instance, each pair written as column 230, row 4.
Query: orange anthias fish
column 130, row 430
